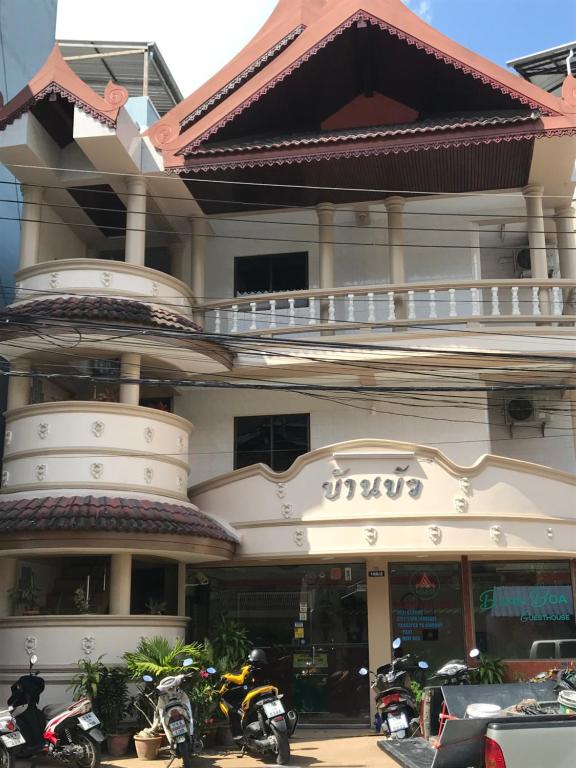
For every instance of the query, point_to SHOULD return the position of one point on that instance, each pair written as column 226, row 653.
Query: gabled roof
column 56, row 77
column 192, row 123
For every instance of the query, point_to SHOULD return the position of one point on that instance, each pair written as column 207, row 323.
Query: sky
column 197, row 37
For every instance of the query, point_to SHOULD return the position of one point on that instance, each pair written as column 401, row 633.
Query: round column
column 395, row 208
column 564, row 221
column 199, row 239
column 135, row 248
column 8, row 574
column 32, row 198
column 181, row 589
column 130, row 369
column 536, row 236
column 19, row 386
column 325, row 213
column 120, row 584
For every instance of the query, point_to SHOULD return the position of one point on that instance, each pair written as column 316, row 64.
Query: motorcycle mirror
column 33, row 660
column 474, row 653
column 396, row 643
column 363, row 671
column 187, row 662
column 211, row 671
column 423, row 664
column 147, row 679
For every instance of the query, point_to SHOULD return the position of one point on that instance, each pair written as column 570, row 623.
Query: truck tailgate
column 550, row 744
column 409, row 753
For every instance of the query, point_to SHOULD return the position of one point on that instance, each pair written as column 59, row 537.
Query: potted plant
column 156, row 607
column 25, row 594
column 81, row 600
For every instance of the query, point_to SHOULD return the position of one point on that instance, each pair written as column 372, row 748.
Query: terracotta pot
column 117, row 744
column 224, row 737
column 147, row 747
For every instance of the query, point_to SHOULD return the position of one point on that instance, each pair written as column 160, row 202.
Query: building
column 338, row 305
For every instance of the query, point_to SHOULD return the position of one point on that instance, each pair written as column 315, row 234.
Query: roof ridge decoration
column 57, row 77
column 398, row 21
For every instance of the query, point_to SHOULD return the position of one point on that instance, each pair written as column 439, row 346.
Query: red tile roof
column 113, row 514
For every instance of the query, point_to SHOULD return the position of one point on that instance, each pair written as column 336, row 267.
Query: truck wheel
column 283, row 745
column 7, row 759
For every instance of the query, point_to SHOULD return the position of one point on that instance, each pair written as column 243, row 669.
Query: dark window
column 273, row 440
column 270, row 273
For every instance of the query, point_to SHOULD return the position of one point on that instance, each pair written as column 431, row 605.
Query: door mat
column 409, row 753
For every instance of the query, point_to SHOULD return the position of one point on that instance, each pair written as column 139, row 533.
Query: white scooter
column 173, row 715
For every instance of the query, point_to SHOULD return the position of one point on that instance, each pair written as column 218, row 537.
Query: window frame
column 271, row 257
column 269, row 416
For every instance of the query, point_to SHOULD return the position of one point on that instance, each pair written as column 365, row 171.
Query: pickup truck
column 503, row 741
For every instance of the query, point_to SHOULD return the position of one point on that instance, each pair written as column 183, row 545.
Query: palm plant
column 490, row 670
column 155, row 656
column 229, row 644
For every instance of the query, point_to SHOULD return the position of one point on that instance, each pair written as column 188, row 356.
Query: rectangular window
column 270, row 273
column 524, row 610
column 273, row 440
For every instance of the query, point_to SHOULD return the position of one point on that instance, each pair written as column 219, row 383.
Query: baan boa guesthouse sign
column 531, row 604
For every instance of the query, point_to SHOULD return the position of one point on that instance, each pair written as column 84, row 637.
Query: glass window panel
column 427, row 610
column 519, row 605
column 273, row 440
column 270, row 273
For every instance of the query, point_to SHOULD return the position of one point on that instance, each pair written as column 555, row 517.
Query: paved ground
column 310, row 749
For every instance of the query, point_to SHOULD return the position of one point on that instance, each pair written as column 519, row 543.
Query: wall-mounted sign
column 370, row 488
column 377, row 574
column 541, row 603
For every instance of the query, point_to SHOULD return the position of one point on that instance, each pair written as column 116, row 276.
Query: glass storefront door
column 310, row 619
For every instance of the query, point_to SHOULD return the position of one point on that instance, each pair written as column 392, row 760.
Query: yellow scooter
column 258, row 719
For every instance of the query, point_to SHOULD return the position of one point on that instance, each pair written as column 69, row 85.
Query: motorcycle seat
column 52, row 710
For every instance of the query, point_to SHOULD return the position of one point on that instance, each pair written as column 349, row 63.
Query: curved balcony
column 94, row 445
column 402, row 306
column 105, row 278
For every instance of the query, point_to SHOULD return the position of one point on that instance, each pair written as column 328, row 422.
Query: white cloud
column 422, row 7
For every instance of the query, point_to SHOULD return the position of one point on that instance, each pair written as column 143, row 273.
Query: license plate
column 12, row 739
column 273, row 708
column 178, row 727
column 88, row 721
column 397, row 722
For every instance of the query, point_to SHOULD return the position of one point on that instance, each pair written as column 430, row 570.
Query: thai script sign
column 376, row 487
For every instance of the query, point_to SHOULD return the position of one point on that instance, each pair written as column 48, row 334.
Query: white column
column 379, row 625
column 395, row 208
column 198, row 245
column 8, row 574
column 130, row 363
column 564, row 221
column 181, row 589
column 135, row 248
column 325, row 213
column 176, row 250
column 32, row 198
column 120, row 583
column 536, row 236
column 475, row 253
column 19, row 386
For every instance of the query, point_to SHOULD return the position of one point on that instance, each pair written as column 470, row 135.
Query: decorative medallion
column 155, row 289
column 148, row 434
column 43, row 430
column 97, row 470
column 434, row 534
column 18, row 291
column 299, row 537
column 371, row 536
column 30, row 644
column 41, row 472
column 88, row 644
column 98, row 428
column 465, row 486
column 148, row 475
column 286, row 510
column 181, row 443
column 179, row 482
column 54, row 280
column 8, row 438
column 5, row 477
column 496, row 533
column 106, row 279
column 550, row 533
column 461, row 504
column 280, row 490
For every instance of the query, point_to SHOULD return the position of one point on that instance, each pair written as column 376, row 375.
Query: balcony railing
column 94, row 445
column 102, row 278
column 405, row 306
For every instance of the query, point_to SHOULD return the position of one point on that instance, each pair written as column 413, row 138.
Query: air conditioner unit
column 522, row 410
column 523, row 265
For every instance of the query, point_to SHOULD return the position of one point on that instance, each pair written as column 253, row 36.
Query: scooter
column 397, row 713
column 258, row 720
column 70, row 734
column 10, row 738
column 173, row 714
column 456, row 671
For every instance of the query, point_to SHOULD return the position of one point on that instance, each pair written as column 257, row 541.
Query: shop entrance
column 310, row 619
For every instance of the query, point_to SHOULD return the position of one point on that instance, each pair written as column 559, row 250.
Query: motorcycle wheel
column 91, row 749
column 184, row 752
column 283, row 745
column 7, row 759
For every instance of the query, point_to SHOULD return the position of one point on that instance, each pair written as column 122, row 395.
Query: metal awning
column 546, row 69
column 139, row 67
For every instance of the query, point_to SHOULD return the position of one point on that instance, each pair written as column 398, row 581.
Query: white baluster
column 515, row 301
column 536, row 300
column 411, row 306
column 291, row 315
column 312, row 310
column 432, row 304
column 350, row 312
column 391, row 306
column 556, row 300
column 371, row 309
column 475, row 293
column 272, row 313
column 495, row 301
column 452, row 303
column 253, row 311
column 216, row 321
column 331, row 310
column 234, row 328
